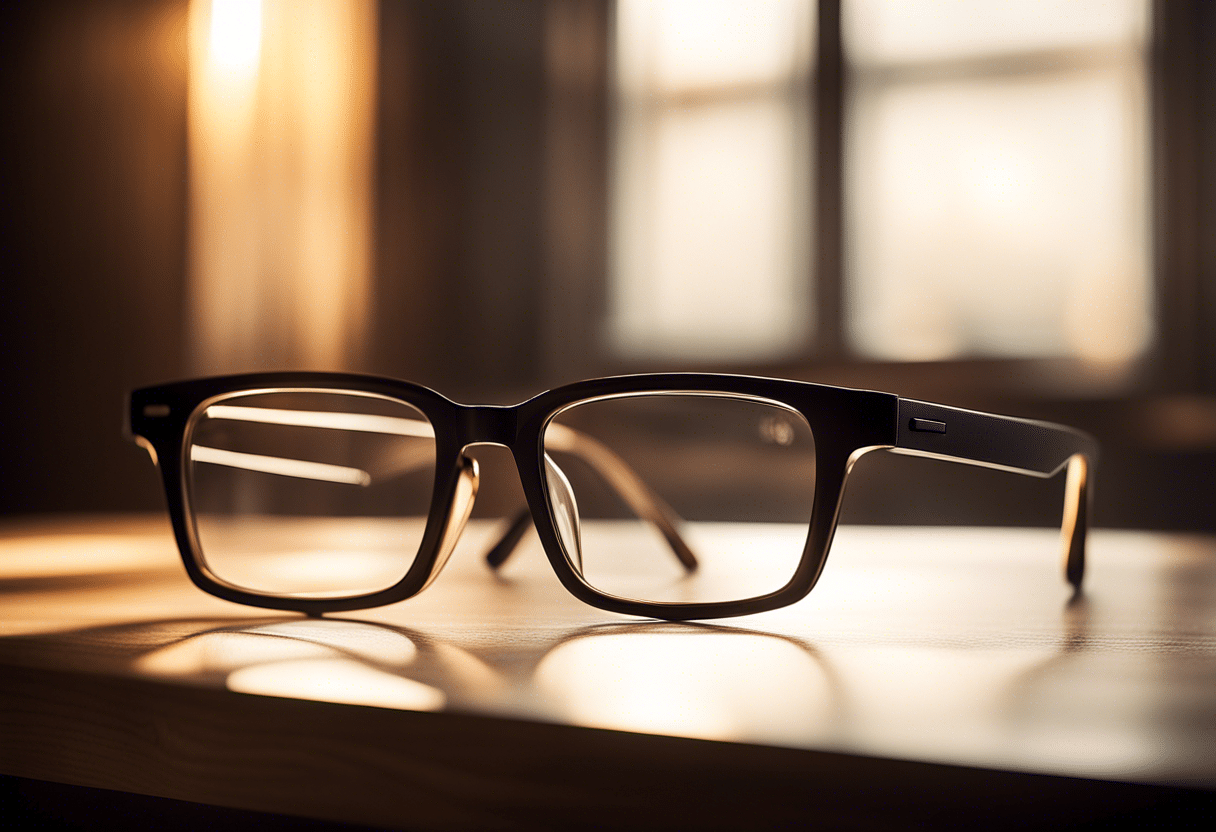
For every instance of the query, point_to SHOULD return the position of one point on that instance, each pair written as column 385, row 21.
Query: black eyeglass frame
column 846, row 423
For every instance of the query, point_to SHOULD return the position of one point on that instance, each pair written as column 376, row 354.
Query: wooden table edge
column 423, row 770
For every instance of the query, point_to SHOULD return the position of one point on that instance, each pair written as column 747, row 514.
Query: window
column 996, row 179
column 994, row 201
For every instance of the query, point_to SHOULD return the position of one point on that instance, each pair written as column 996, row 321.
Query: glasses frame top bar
column 845, row 422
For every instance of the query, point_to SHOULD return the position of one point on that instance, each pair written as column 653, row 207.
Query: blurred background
column 1003, row 206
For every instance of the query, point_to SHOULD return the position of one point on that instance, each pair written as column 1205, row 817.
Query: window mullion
column 828, row 115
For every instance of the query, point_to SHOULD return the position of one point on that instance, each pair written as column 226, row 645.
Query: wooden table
column 935, row 676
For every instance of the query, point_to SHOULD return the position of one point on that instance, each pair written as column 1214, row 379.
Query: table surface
column 924, row 655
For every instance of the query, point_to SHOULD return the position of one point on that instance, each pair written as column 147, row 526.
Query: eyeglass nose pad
column 565, row 511
column 458, row 514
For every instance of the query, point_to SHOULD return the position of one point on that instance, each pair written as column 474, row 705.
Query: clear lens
column 309, row 494
column 633, row 480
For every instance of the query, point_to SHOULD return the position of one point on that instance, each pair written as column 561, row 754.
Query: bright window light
column 710, row 249
column 236, row 33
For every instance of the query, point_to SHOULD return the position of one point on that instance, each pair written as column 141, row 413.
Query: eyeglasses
column 674, row 496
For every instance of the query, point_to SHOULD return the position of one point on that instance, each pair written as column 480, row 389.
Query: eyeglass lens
column 709, row 461
column 309, row 494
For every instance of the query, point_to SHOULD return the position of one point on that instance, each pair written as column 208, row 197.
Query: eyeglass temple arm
column 506, row 544
column 620, row 477
column 1023, row 446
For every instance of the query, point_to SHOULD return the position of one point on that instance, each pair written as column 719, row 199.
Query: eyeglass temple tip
column 506, row 544
column 1075, row 526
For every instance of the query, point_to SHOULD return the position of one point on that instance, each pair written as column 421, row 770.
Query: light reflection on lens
column 362, row 422
column 278, row 465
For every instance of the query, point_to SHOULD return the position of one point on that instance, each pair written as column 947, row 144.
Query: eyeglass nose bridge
column 497, row 425
column 480, row 425
column 488, row 424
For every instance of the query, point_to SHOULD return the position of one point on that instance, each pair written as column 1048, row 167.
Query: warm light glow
column 724, row 686
column 281, row 131
column 96, row 553
column 343, row 681
column 236, row 33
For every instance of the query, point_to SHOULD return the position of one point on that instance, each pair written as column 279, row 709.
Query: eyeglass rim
column 845, row 422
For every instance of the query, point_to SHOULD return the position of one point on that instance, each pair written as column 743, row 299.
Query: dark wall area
column 460, row 242
column 92, row 246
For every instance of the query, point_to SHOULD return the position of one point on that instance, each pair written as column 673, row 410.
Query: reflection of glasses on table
column 672, row 496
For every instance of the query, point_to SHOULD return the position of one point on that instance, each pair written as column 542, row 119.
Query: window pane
column 998, row 213
column 709, row 214
column 710, row 187
column 882, row 31
column 671, row 47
